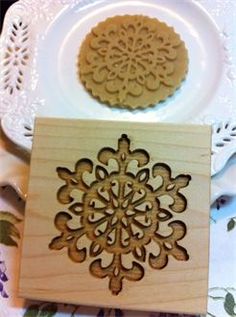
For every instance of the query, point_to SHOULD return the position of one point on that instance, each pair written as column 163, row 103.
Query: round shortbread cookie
column 132, row 61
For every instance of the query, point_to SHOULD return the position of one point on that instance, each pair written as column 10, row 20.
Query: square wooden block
column 118, row 215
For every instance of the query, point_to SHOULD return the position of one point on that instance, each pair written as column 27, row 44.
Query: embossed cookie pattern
column 132, row 61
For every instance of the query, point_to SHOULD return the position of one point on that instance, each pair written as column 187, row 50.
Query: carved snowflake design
column 132, row 61
column 120, row 213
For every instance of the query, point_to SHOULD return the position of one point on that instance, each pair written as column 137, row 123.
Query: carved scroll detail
column 121, row 212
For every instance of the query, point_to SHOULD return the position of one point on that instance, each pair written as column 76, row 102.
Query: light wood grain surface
column 85, row 243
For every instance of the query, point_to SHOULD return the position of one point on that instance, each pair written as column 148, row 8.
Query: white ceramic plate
column 224, row 182
column 39, row 48
column 58, row 51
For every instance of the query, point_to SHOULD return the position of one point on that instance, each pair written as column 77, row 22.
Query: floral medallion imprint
column 120, row 212
column 132, row 61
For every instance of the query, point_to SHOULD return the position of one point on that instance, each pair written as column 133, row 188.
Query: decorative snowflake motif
column 120, row 212
column 132, row 57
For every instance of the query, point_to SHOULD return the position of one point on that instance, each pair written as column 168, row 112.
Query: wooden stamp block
column 118, row 215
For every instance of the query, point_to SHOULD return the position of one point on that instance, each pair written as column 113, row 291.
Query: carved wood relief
column 120, row 212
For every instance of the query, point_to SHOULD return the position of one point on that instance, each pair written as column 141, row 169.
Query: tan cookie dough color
column 132, row 61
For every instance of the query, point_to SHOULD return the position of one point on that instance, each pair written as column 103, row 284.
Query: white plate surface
column 65, row 95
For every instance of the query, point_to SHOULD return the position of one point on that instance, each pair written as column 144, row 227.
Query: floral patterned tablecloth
column 222, row 279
